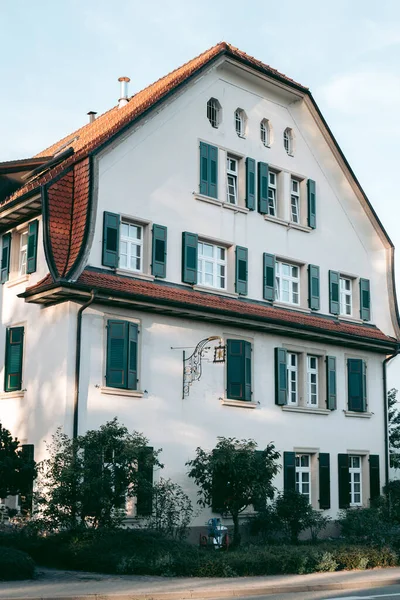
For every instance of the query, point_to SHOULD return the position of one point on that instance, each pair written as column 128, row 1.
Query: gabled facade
column 215, row 203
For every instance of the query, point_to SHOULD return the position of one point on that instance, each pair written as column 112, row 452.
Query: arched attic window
column 214, row 112
column 288, row 140
column 265, row 132
column 240, row 122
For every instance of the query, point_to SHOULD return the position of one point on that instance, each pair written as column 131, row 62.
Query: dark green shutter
column 31, row 255
column 374, row 477
column 250, row 183
column 26, row 492
column 13, row 361
column 331, row 382
column 238, row 370
column 356, row 379
column 263, row 188
column 111, row 224
column 189, row 257
column 208, row 170
column 5, row 257
column 289, row 471
column 312, row 208
column 144, row 496
column 365, row 300
column 313, row 287
column 268, row 277
column 241, row 270
column 324, row 481
column 259, row 501
column 281, row 384
column 334, row 305
column 159, row 251
column 219, row 489
column 343, row 480
column 121, row 369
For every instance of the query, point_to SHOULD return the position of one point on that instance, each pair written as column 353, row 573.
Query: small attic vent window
column 214, row 112
column 66, row 145
column 288, row 140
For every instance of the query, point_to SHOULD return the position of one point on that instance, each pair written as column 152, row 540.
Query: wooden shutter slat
column 238, row 370
column 356, row 379
column 313, row 287
column 241, row 270
column 13, row 359
column 250, row 183
column 159, row 251
column 189, row 257
column 111, row 225
column 343, row 480
column 324, row 481
column 281, row 376
column 334, row 305
column 268, row 277
column 31, row 253
column 365, row 300
column 374, row 477
column 331, row 382
column 312, row 208
column 144, row 496
column 263, row 188
column 289, row 471
column 5, row 257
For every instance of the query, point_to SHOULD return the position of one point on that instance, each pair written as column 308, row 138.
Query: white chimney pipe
column 92, row 115
column 123, row 100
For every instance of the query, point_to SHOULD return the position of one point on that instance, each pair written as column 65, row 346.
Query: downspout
column 386, row 413
column 78, row 361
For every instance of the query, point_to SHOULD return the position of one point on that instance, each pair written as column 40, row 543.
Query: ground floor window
column 355, row 480
column 303, row 475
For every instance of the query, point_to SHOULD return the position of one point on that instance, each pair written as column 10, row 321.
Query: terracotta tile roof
column 187, row 297
column 92, row 135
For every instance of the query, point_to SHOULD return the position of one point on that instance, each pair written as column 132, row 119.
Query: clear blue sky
column 62, row 58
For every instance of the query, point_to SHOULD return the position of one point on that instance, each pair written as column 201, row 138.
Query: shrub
column 172, row 510
column 15, row 564
column 366, row 526
column 294, row 512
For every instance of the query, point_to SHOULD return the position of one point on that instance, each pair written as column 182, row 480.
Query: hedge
column 15, row 564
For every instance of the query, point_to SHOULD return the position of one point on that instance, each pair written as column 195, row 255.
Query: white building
column 216, row 202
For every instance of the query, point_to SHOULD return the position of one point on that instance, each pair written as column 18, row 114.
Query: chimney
column 92, row 115
column 123, row 99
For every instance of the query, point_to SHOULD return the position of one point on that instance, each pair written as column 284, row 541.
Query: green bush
column 15, row 564
column 367, row 526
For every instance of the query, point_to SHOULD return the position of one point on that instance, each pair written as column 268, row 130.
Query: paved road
column 385, row 593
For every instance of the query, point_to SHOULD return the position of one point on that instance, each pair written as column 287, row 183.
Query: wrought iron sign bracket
column 192, row 365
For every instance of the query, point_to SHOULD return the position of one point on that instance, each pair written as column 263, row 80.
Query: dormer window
column 214, row 112
column 288, row 140
column 265, row 132
column 240, row 122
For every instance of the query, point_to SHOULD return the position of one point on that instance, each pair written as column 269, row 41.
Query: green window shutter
column 334, row 305
column 313, row 287
column 250, row 183
column 241, row 270
column 5, row 257
column 189, row 257
column 238, row 370
column 289, row 471
column 111, row 224
column 262, row 188
column 331, row 382
column 365, row 300
column 324, row 481
column 281, row 385
column 374, row 477
column 31, row 255
column 26, row 492
column 312, row 208
column 13, row 360
column 356, row 379
column 219, row 489
column 122, row 337
column 208, row 170
column 268, row 277
column 343, row 480
column 159, row 251
column 259, row 501
column 144, row 495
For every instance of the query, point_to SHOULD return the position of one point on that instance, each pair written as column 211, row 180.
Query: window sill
column 305, row 409
column 239, row 403
column 135, row 275
column 299, row 227
column 291, row 306
column 216, row 202
column 17, row 280
column 210, row 290
column 120, row 392
column 288, row 224
column 362, row 415
column 235, row 208
column 17, row 394
column 350, row 319
column 276, row 220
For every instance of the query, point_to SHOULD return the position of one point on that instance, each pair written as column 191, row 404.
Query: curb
column 227, row 593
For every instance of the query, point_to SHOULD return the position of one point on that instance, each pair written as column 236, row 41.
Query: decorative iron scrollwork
column 192, row 365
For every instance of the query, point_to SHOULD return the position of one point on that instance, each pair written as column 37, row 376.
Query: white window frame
column 272, row 193
column 295, row 200
column 354, row 474
column 288, row 140
column 232, row 180
column 290, row 280
column 130, row 241
column 265, row 133
column 240, row 122
column 292, row 378
column 23, row 253
column 312, row 381
column 300, row 471
column 216, row 262
column 214, row 112
column 345, row 296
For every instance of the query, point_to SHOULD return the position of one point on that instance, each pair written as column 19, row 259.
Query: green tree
column 233, row 476
column 394, row 429
column 86, row 481
column 17, row 469
column 172, row 510
column 294, row 512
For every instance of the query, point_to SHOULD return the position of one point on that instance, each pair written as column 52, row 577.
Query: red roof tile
column 181, row 296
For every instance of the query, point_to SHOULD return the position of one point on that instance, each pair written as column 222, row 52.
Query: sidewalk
column 78, row 585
